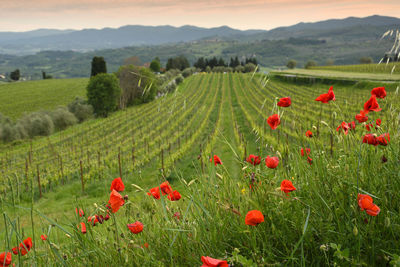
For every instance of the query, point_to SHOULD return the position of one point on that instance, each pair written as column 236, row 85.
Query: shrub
column 81, row 109
column 38, row 124
column 103, row 93
column 249, row 67
column 187, row 72
column 179, row 79
column 239, row 68
column 310, row 63
column 291, row 64
column 8, row 133
column 62, row 118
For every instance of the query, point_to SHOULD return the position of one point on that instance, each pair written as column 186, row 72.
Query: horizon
column 255, row 14
column 191, row 25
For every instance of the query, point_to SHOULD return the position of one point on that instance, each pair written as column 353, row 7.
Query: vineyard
column 388, row 68
column 173, row 139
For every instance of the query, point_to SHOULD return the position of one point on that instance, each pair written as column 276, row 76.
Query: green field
column 25, row 97
column 389, row 68
column 173, row 138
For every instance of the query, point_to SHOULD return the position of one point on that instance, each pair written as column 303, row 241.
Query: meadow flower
column 81, row 213
column 217, row 160
column 253, row 159
column 5, row 259
column 116, row 201
column 383, row 139
column 345, row 126
column 165, row 188
column 211, row 262
column 309, row 133
column 378, row 122
column 254, row 217
column 271, row 162
column 379, row 92
column 155, row 192
column 177, row 215
column 174, row 196
column 370, row 139
column 308, row 151
column 136, row 227
column 362, row 116
column 325, row 98
column 287, row 186
column 83, row 227
column 117, row 185
column 365, row 202
column 274, row 121
column 43, row 237
column 309, row 160
column 372, row 105
column 285, row 102
column 26, row 246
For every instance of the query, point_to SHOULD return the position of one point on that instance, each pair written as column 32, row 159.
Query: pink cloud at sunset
column 254, row 14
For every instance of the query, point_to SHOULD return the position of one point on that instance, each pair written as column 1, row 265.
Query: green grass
column 386, row 68
column 319, row 224
column 26, row 97
column 339, row 73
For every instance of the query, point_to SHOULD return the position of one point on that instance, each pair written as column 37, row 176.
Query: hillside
column 310, row 213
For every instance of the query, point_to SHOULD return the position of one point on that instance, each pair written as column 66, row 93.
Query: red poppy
column 309, row 133
column 372, row 105
column 83, row 227
column 43, row 237
column 5, row 259
column 177, row 215
column 26, row 246
column 345, row 126
column 287, row 186
column 285, row 102
column 274, row 121
column 368, row 127
column 155, row 192
column 271, row 162
column 217, row 160
column 362, row 116
column 308, row 151
column 165, row 188
column 107, row 217
column 309, row 160
column 116, row 201
column 254, row 160
column 15, row 250
column 352, row 125
column 93, row 219
column 146, row 245
column 379, row 92
column 136, row 227
column 384, row 139
column 254, row 217
column 370, row 139
column 174, row 196
column 365, row 202
column 81, row 213
column 325, row 98
column 117, row 185
column 378, row 122
column 210, row 262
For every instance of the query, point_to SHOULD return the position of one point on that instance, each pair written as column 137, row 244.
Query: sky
column 23, row 15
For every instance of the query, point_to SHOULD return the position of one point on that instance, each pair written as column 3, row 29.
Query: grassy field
column 173, row 138
column 390, row 68
column 339, row 73
column 25, row 97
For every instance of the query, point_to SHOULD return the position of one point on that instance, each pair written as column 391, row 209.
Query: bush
column 81, row 109
column 310, row 64
column 208, row 69
column 103, row 93
column 249, row 67
column 179, row 79
column 291, row 64
column 187, row 72
column 8, row 133
column 239, row 68
column 62, row 118
column 38, row 124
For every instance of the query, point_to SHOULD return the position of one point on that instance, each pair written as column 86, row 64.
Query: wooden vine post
column 83, row 185
column 38, row 179
column 119, row 162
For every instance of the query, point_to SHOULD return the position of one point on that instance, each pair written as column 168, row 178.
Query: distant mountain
column 92, row 39
column 338, row 41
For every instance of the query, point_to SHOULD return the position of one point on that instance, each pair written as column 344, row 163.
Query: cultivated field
column 26, row 97
column 172, row 139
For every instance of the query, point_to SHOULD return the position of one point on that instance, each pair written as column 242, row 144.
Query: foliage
column 366, row 60
column 155, row 65
column 138, row 84
column 310, row 64
column 98, row 66
column 81, row 109
column 103, row 93
column 63, row 118
column 179, row 62
column 15, row 75
column 291, row 64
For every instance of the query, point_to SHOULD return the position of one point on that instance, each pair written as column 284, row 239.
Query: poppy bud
column 126, row 197
column 384, row 159
column 355, row 230
column 107, row 217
